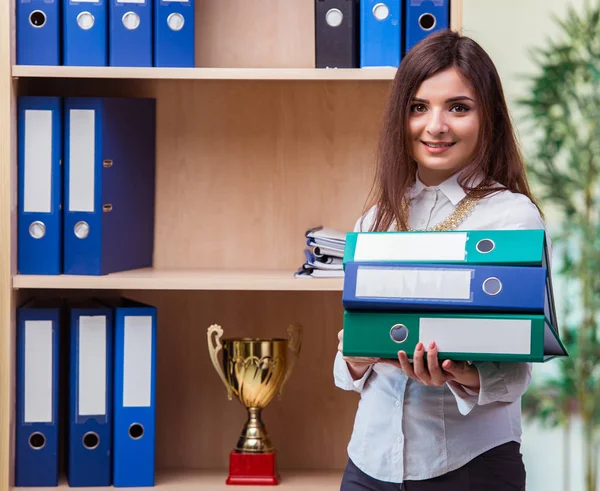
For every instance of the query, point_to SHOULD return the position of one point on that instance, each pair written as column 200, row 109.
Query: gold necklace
column 462, row 211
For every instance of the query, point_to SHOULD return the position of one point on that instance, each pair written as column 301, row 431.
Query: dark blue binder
column 135, row 393
column 85, row 33
column 38, row 32
column 380, row 33
column 109, row 184
column 130, row 33
column 39, row 236
column 424, row 17
column 174, row 31
column 37, row 405
column 445, row 287
column 89, row 454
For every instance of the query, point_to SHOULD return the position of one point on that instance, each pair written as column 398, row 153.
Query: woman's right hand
column 357, row 365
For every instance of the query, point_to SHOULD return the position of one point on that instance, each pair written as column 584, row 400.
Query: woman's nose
column 436, row 124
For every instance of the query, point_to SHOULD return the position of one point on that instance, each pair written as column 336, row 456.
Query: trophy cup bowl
column 255, row 370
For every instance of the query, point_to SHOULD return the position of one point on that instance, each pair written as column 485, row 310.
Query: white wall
column 507, row 29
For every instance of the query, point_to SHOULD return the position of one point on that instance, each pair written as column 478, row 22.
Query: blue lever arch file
column 37, row 380
column 90, row 395
column 445, row 287
column 135, row 393
column 38, row 32
column 109, row 184
column 130, row 33
column 39, row 247
column 174, row 33
column 85, row 32
column 380, row 33
column 424, row 17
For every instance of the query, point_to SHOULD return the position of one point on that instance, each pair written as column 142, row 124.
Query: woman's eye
column 418, row 108
column 459, row 108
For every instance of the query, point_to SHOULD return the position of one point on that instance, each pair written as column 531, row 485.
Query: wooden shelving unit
column 254, row 146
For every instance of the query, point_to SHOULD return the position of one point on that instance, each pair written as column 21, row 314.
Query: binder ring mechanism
column 37, row 441
column 136, row 431
column 91, row 440
column 37, row 229
column 37, row 18
column 399, row 333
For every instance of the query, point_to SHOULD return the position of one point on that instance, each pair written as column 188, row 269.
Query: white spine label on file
column 424, row 246
column 448, row 284
column 91, row 384
column 82, row 148
column 38, row 372
column 473, row 335
column 37, row 195
column 137, row 361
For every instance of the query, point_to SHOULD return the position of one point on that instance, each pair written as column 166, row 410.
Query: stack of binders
column 86, row 377
column 86, row 184
column 373, row 33
column 481, row 295
column 125, row 33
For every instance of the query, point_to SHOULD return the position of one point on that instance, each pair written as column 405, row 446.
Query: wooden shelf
column 19, row 71
column 215, row 481
column 174, row 279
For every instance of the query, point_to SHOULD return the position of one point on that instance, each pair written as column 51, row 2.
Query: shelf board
column 201, row 279
column 187, row 480
column 204, row 73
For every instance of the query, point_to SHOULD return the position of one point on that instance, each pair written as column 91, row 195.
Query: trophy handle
column 214, row 346
column 294, row 344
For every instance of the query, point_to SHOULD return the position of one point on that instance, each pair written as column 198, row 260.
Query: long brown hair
column 497, row 156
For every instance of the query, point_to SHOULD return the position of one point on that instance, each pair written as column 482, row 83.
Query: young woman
column 448, row 159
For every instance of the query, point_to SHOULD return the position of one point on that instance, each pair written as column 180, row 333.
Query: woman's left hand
column 431, row 373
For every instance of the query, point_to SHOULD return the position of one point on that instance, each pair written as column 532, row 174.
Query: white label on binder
column 137, row 363
column 426, row 246
column 81, row 159
column 38, row 372
column 473, row 335
column 91, row 384
column 37, row 194
column 448, row 284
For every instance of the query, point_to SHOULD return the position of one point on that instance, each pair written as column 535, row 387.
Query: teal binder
column 472, row 337
column 510, row 247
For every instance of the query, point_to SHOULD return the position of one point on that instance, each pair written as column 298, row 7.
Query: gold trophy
column 255, row 370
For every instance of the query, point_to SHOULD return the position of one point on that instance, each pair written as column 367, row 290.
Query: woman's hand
column 431, row 373
column 357, row 365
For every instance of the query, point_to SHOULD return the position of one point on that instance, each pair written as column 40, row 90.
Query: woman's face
column 444, row 126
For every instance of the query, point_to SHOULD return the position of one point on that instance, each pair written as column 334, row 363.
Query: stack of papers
column 323, row 254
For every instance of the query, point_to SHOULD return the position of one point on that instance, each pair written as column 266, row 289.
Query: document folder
column 134, row 396
column 380, row 33
column 85, row 32
column 37, row 387
column 336, row 33
column 109, row 184
column 174, row 33
column 89, row 459
column 466, row 336
column 130, row 33
column 38, row 26
column 424, row 17
column 39, row 247
column 509, row 247
column 445, row 287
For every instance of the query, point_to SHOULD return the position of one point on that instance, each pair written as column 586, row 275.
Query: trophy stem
column 254, row 438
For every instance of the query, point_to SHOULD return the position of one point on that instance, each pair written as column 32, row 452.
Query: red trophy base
column 247, row 468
